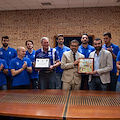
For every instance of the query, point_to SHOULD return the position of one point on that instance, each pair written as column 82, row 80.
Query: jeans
column 113, row 81
column 34, row 83
column 58, row 80
column 47, row 80
column 118, row 86
column 95, row 83
column 3, row 87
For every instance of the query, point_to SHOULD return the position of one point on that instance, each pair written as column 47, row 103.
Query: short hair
column 85, row 34
column 74, row 41
column 107, row 33
column 19, row 48
column 5, row 37
column 59, row 35
column 44, row 38
column 28, row 41
column 98, row 39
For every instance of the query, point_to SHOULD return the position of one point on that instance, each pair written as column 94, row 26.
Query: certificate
column 85, row 65
column 42, row 63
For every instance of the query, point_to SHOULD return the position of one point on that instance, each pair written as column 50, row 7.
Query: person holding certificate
column 71, row 78
column 46, row 60
column 103, row 64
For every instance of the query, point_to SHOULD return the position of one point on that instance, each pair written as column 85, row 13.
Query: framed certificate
column 85, row 65
column 42, row 63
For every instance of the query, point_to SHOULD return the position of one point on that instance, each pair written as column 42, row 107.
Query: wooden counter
column 60, row 104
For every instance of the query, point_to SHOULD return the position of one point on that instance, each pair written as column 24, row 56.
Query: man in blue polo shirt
column 118, row 67
column 3, row 73
column 85, row 49
column 61, row 48
column 30, row 53
column 47, row 76
column 114, row 49
column 7, row 53
column 20, row 68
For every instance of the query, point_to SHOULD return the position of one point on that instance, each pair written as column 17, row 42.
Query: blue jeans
column 3, row 87
column 113, row 81
column 34, row 83
column 95, row 83
column 47, row 80
column 118, row 86
column 58, row 80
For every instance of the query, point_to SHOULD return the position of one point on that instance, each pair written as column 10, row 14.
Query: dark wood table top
column 60, row 104
column 47, row 104
column 93, row 105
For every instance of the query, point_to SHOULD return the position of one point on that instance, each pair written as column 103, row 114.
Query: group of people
column 17, row 67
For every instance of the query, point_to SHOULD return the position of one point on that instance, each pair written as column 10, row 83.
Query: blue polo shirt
column 8, row 55
column 31, row 56
column 118, row 59
column 86, row 51
column 23, row 77
column 51, row 54
column 115, row 50
column 3, row 80
column 60, row 52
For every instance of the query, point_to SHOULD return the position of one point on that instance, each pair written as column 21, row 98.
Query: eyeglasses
column 5, row 40
column 74, row 45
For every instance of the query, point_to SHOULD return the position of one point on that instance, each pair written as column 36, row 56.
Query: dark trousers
column 113, row 82
column 84, row 82
column 22, row 87
column 96, row 83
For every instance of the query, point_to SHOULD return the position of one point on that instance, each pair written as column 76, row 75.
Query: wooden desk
column 93, row 105
column 47, row 104
column 60, row 104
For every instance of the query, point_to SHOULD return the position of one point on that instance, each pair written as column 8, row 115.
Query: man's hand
column 76, row 62
column 92, row 73
column 24, row 65
column 110, row 49
column 1, row 67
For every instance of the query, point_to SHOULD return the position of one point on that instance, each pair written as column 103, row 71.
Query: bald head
column 21, row 52
column 20, row 48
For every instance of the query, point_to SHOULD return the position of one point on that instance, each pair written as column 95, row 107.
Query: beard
column 5, row 45
column 98, row 48
column 85, row 42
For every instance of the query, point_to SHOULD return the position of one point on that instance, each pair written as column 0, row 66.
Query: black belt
column 49, row 71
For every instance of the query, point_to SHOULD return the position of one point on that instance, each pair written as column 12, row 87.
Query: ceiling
column 53, row 4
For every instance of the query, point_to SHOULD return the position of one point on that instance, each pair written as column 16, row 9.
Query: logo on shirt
column 26, row 56
column 89, row 51
column 1, row 52
column 49, row 53
column 17, row 63
column 9, row 53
